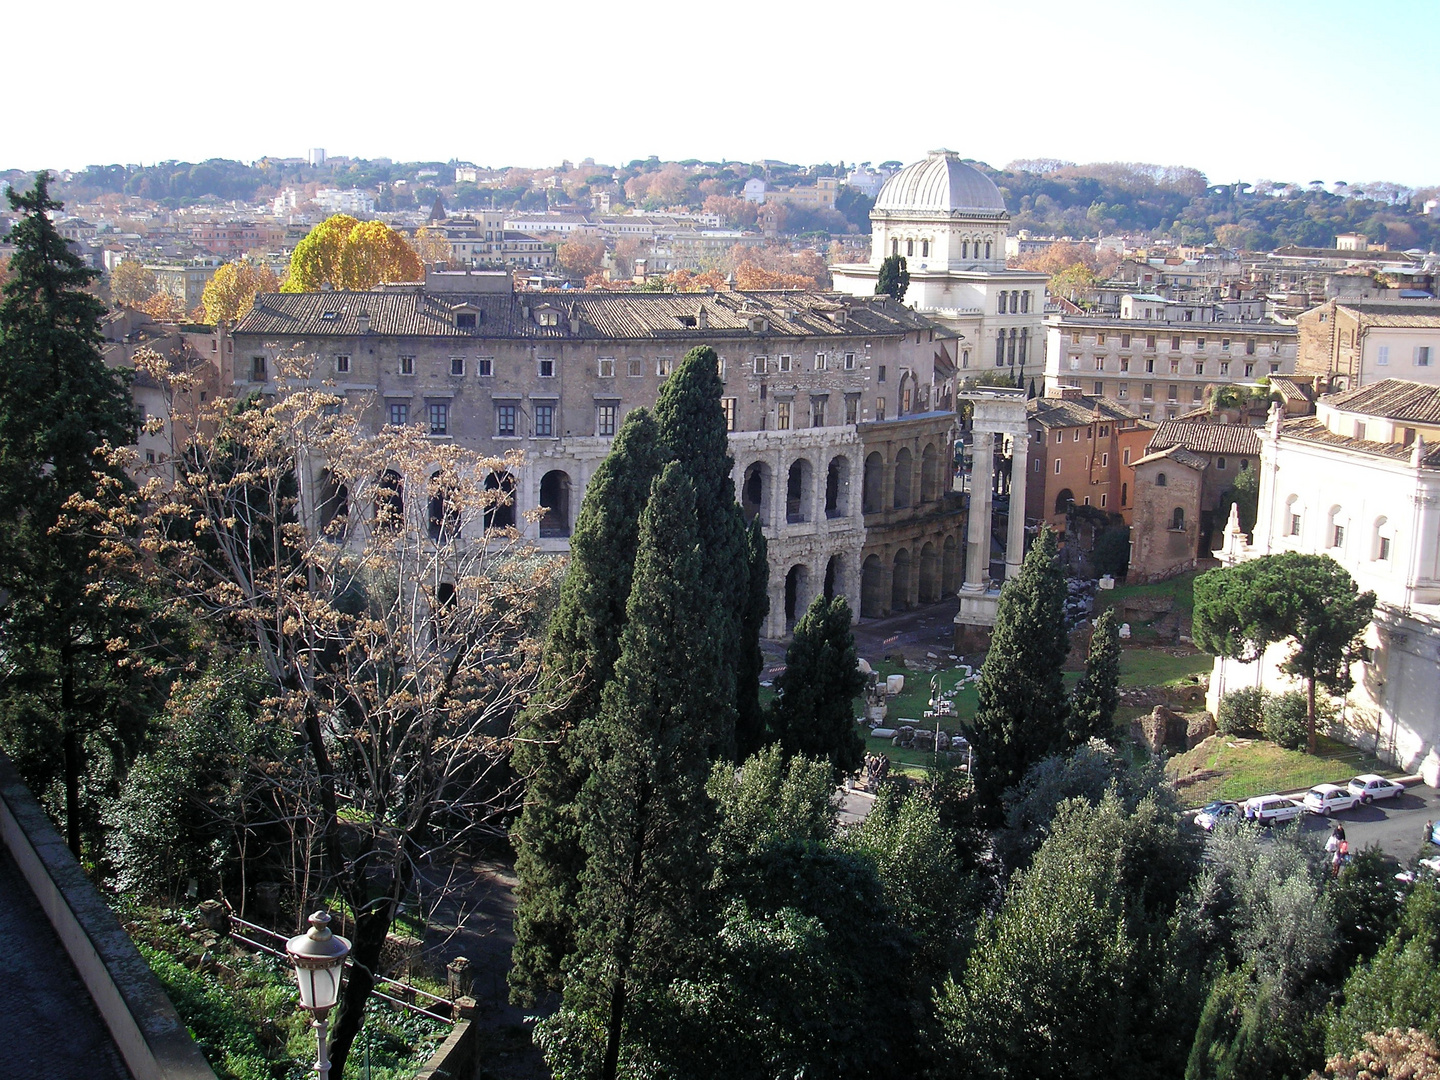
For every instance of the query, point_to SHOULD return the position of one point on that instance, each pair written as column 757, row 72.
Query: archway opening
column 1064, row 501
column 334, row 506
column 500, row 501
column 874, row 484
column 950, row 568
column 930, row 474
column 555, row 501
column 442, row 518
column 900, row 582
column 755, row 493
column 797, row 594
column 835, row 577
column 798, row 491
column 390, row 501
column 837, row 487
column 929, row 574
column 872, row 588
column 903, row 468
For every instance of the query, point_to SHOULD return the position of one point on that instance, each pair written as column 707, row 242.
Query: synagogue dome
column 943, row 184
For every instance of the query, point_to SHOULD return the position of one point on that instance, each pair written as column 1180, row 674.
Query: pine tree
column 644, row 811
column 749, row 714
column 580, row 655
column 59, row 404
column 814, row 712
column 692, row 428
column 1021, row 713
column 1092, row 705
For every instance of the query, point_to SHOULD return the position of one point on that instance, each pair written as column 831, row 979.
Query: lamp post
column 319, row 958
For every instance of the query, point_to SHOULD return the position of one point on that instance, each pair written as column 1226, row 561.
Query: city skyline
column 1135, row 83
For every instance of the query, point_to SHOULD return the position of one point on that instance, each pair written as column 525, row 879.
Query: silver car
column 1369, row 787
column 1271, row 809
column 1328, row 798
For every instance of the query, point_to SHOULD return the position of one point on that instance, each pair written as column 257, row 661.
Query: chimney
column 702, row 317
column 363, row 318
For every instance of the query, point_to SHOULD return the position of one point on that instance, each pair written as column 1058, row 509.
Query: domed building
column 948, row 220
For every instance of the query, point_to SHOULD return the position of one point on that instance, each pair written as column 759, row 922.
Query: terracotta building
column 1081, row 454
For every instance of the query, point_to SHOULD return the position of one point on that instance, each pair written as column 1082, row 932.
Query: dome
column 942, row 183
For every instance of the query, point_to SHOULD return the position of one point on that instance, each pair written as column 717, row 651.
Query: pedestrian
column 1340, row 833
column 1429, row 833
column 1332, row 845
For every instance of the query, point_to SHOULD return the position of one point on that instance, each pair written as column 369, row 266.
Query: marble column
column 1015, row 532
column 977, row 554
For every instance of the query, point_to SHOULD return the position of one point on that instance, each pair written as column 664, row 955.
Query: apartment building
column 1082, row 452
column 1354, row 343
column 842, row 426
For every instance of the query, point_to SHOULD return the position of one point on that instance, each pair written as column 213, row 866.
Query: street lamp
column 319, row 958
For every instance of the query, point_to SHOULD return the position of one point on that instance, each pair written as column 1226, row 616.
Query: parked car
column 1212, row 814
column 1370, row 787
column 1269, row 809
column 1328, row 798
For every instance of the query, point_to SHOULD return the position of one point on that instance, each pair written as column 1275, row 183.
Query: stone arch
column 555, row 501
column 334, row 506
column 929, row 574
column 390, row 501
column 950, row 567
column 903, row 468
column 929, row 474
column 1177, row 519
column 799, row 490
column 442, row 519
column 900, row 581
column 835, row 577
column 837, row 487
column 1064, row 501
column 500, row 502
column 872, row 588
column 797, row 594
column 755, row 492
column 873, row 495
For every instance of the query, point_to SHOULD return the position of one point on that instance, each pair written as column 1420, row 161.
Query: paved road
column 1397, row 825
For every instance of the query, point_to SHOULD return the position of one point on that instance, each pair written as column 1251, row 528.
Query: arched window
column 909, row 247
column 442, row 519
column 872, row 496
column 799, row 491
column 1383, row 541
column 1025, row 302
column 924, row 249
column 1177, row 519
column 1337, row 523
column 1124, row 494
column 1160, row 480
column 903, row 469
column 1014, row 303
column 555, row 501
column 500, row 501
column 965, row 249
column 1024, row 341
column 837, row 487
column 894, row 247
column 987, row 249
column 389, row 501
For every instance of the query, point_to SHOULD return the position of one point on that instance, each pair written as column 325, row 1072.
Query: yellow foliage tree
column 231, row 293
column 163, row 307
column 348, row 254
column 131, row 284
column 431, row 245
column 581, row 256
column 750, row 276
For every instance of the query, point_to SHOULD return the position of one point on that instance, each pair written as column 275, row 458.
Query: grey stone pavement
column 49, row 1028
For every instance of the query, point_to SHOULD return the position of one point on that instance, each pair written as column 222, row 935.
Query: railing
column 380, row 981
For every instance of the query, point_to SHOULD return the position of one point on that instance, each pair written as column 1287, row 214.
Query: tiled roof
column 609, row 315
column 1179, row 455
column 1310, row 429
column 1204, row 438
column 1292, row 393
column 1394, row 399
column 1419, row 314
column 1076, row 412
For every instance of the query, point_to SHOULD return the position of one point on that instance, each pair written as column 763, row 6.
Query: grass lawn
column 1155, row 667
column 1226, row 767
column 1179, row 590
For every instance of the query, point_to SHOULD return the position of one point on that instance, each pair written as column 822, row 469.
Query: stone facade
column 1165, row 536
column 1347, row 344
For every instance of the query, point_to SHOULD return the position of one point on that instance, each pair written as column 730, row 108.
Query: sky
column 1259, row 89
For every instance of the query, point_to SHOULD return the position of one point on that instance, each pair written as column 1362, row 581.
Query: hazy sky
column 1243, row 89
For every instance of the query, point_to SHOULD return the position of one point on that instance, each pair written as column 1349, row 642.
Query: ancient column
column 977, row 553
column 1015, row 533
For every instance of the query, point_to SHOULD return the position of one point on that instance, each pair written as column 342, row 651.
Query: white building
column 353, row 201
column 948, row 220
column 1360, row 482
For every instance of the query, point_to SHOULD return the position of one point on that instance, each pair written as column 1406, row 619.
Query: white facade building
column 948, row 220
column 1360, row 482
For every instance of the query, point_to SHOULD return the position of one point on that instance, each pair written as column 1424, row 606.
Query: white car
column 1328, row 798
column 1270, row 809
column 1370, row 787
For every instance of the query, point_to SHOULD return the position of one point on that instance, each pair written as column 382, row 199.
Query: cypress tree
column 749, row 715
column 644, row 811
column 59, row 404
column 580, row 655
column 814, row 712
column 894, row 277
column 1093, row 704
column 692, row 428
column 1022, row 708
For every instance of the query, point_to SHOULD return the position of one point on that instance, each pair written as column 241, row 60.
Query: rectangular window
column 1382, row 355
column 720, row 367
column 1225, row 344
column 407, row 365
column 1199, row 343
column 852, row 409
column 1104, row 460
column 850, row 361
column 1422, row 355
column 547, row 369
column 1174, row 367
column 1124, row 363
column 399, row 413
column 1148, row 391
column 1338, row 539
column 634, row 368
column 817, row 412
column 880, row 376
column 1059, row 436
column 782, row 416
column 1099, row 389
column 1249, row 370
column 1360, row 430
column 1099, row 363
column 1172, row 393
column 1124, row 341
column 820, row 361
column 1175, row 342
column 1224, row 367
column 1123, row 394
column 1149, row 341
column 1149, row 365
column 879, row 408
column 465, row 320
column 1384, row 553
column 257, row 369
column 1250, row 346
column 784, row 364
column 457, row 365
column 1039, row 465
column 727, row 406
column 342, row 365
column 605, row 419
column 1102, row 500
column 762, row 365
column 607, row 367
column 485, row 367
column 505, row 420
column 1074, row 337
column 1294, row 524
column 1077, row 434
column 1100, row 338
column 1057, row 466
column 545, row 421
column 662, row 366
column 1197, row 394
column 1199, row 367
column 439, row 413
column 1125, row 456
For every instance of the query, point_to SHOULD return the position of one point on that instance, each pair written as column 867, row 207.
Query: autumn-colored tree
column 750, row 276
column 739, row 212
column 348, row 254
column 230, row 294
column 431, row 245
column 581, row 256
column 131, row 284
column 687, row 281
column 164, row 307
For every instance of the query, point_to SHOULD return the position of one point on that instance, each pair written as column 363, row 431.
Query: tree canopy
column 347, row 254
